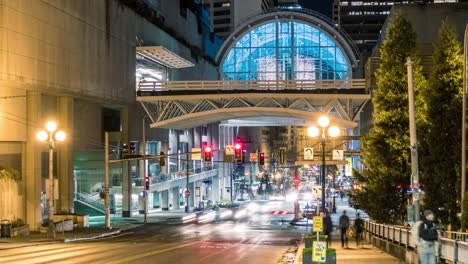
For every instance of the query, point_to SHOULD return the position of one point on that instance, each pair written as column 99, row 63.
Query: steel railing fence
column 452, row 246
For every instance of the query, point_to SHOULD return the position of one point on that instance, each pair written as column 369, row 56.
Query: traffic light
column 124, row 150
column 207, row 153
column 238, row 152
column 262, row 158
column 132, row 147
column 147, row 183
column 162, row 161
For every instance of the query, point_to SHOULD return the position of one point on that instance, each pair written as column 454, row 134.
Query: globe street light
column 314, row 132
column 51, row 136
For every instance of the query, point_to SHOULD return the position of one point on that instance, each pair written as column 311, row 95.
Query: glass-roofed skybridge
column 280, row 68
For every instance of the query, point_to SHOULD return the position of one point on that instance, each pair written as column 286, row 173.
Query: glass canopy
column 288, row 50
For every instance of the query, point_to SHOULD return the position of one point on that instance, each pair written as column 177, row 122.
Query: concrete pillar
column 215, row 189
column 164, row 200
column 32, row 161
column 141, row 204
column 175, row 198
column 65, row 155
column 192, row 194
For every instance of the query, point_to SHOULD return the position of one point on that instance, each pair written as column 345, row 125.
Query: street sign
column 197, row 155
column 308, row 153
column 318, row 224
column 338, row 154
column 229, row 150
column 187, row 193
column 253, row 157
column 296, row 181
column 319, row 251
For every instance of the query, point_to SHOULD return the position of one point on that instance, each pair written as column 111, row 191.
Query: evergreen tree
column 441, row 142
column 386, row 149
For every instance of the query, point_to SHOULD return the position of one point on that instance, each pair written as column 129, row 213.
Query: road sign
column 318, row 224
column 308, row 153
column 296, row 181
column 187, row 193
column 229, row 150
column 338, row 154
column 319, row 251
column 197, row 155
column 253, row 157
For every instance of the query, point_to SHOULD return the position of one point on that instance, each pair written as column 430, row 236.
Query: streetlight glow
column 313, row 131
column 60, row 136
column 333, row 131
column 51, row 126
column 42, row 136
column 324, row 121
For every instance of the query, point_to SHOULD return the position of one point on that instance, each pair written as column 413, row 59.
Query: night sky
column 322, row 6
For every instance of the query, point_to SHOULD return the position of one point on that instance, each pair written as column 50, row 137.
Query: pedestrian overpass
column 187, row 104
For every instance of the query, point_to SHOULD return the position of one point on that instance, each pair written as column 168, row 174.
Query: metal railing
column 91, row 200
column 257, row 85
column 451, row 246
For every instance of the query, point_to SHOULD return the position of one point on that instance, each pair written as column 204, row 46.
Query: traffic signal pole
column 187, row 208
column 106, row 178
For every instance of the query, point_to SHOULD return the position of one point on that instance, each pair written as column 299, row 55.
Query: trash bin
column 5, row 228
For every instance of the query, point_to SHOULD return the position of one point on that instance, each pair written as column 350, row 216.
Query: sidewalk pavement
column 354, row 255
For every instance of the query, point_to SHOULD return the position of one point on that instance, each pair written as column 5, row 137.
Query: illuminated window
column 285, row 51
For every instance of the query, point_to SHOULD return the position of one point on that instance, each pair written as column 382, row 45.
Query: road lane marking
column 153, row 253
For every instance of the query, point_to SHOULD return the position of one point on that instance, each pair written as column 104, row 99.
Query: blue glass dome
column 285, row 50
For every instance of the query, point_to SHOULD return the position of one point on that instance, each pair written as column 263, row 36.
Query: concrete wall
column 67, row 60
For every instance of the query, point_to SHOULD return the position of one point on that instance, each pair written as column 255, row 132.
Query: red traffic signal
column 238, row 146
column 207, row 153
column 262, row 158
column 147, row 183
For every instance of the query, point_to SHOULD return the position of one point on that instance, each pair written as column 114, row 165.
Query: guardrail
column 259, row 85
column 452, row 246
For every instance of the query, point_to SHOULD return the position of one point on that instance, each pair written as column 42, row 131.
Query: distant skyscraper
column 226, row 15
column 363, row 19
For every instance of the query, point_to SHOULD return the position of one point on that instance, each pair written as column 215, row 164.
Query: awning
column 164, row 56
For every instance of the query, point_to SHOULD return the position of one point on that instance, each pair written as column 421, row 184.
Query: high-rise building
column 226, row 15
column 363, row 19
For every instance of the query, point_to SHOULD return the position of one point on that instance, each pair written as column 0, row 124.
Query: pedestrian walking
column 341, row 195
column 328, row 227
column 358, row 227
column 427, row 235
column 344, row 225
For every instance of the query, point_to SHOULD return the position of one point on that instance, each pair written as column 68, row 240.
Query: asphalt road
column 258, row 237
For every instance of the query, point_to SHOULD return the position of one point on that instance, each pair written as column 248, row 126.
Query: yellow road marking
column 153, row 253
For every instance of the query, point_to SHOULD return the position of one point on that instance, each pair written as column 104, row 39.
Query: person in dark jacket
column 328, row 227
column 427, row 237
column 358, row 227
column 344, row 225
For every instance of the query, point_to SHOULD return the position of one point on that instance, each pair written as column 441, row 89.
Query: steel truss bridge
column 188, row 104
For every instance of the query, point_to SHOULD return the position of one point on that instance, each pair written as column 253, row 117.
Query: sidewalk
column 353, row 255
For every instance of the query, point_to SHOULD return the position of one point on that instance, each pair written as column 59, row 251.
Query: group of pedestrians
column 351, row 231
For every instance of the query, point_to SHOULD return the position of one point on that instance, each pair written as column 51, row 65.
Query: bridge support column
column 175, row 198
column 141, row 204
column 165, row 200
column 192, row 195
column 215, row 189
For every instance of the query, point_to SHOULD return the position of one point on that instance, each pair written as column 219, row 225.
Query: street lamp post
column 314, row 131
column 51, row 136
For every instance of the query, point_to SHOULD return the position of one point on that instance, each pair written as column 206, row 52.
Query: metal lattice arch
column 287, row 46
column 287, row 65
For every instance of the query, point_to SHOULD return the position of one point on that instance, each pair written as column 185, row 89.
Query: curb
column 67, row 240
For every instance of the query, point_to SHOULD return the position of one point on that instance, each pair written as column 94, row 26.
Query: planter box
column 20, row 231
column 65, row 225
column 80, row 220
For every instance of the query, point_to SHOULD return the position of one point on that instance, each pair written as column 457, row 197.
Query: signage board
column 308, row 153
